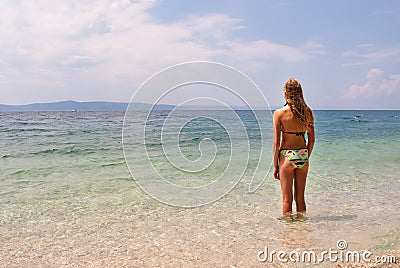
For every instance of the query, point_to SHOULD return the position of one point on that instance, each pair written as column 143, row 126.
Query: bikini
column 298, row 157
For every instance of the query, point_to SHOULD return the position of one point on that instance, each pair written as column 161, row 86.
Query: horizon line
column 234, row 107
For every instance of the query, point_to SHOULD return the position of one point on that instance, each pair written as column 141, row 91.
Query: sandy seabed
column 227, row 233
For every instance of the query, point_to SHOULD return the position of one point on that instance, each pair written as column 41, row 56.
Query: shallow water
column 68, row 199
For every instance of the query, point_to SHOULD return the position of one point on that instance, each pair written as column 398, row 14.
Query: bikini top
column 296, row 133
column 302, row 134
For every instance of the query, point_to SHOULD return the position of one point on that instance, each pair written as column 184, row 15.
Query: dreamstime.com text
column 339, row 254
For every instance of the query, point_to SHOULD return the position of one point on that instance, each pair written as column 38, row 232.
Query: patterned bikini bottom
column 298, row 157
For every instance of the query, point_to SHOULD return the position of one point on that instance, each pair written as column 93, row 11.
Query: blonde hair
column 295, row 100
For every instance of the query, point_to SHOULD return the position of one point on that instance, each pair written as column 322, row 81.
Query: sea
column 73, row 189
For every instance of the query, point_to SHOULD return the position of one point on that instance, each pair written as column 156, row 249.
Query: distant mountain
column 104, row 106
column 80, row 106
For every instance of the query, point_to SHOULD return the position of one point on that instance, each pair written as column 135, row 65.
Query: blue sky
column 345, row 53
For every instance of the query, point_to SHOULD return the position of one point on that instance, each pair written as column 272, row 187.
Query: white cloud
column 263, row 49
column 390, row 84
column 365, row 54
column 104, row 48
column 376, row 83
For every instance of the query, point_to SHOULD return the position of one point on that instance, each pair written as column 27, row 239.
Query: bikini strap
column 300, row 134
column 295, row 133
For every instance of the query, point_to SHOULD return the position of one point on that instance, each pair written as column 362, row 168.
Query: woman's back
column 292, row 134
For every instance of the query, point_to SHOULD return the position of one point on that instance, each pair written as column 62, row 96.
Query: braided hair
column 295, row 100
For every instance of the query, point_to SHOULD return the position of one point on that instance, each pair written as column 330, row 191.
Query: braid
column 295, row 100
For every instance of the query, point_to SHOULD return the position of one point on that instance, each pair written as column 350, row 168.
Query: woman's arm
column 310, row 135
column 276, row 143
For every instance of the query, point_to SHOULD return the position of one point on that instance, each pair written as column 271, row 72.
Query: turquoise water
column 64, row 185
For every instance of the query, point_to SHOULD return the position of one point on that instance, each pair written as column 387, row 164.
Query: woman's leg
column 286, row 174
column 300, row 177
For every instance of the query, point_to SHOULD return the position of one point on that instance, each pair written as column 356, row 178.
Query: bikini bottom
column 298, row 157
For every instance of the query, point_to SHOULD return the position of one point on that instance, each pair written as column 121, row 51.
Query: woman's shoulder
column 281, row 110
column 279, row 113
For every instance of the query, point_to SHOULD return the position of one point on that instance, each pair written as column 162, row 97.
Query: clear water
column 66, row 194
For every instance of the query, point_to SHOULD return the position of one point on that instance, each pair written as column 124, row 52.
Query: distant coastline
column 76, row 106
column 99, row 106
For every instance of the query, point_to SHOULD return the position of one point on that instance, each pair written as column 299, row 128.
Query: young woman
column 291, row 154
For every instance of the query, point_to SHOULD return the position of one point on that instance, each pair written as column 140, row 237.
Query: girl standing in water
column 291, row 154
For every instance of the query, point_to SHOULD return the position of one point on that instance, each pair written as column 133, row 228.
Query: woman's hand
column 276, row 173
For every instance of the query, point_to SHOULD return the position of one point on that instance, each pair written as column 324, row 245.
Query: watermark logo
column 338, row 254
column 187, row 155
column 341, row 244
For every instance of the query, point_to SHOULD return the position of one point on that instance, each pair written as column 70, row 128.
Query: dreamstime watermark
column 155, row 142
column 338, row 254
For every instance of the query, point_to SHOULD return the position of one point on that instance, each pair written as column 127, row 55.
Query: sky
column 346, row 54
